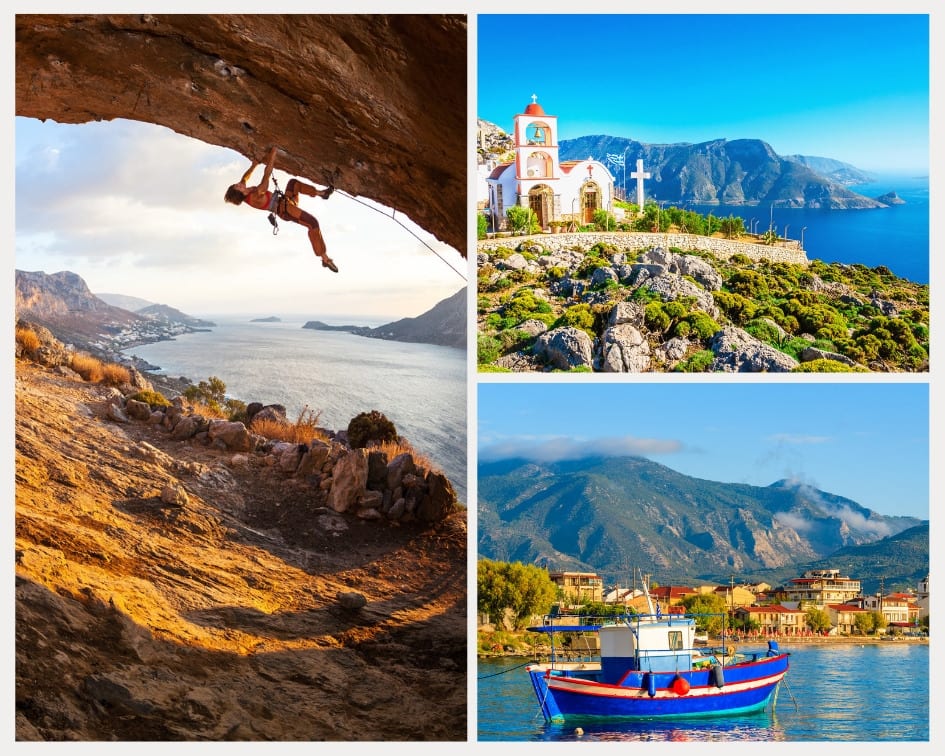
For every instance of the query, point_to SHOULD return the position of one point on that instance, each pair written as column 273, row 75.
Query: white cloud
column 559, row 449
column 137, row 209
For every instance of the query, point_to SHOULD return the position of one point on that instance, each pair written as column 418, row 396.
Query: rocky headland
column 442, row 325
column 185, row 578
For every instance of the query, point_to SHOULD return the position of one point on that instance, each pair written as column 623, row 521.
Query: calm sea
column 895, row 236
column 421, row 388
column 832, row 692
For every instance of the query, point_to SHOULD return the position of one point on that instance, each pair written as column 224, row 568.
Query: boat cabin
column 646, row 646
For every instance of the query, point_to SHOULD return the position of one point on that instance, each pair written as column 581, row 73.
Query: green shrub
column 825, row 366
column 577, row 316
column 700, row 362
column 795, row 346
column 703, row 325
column 765, row 331
column 152, row 398
column 482, row 226
column 368, row 427
column 488, row 349
column 655, row 317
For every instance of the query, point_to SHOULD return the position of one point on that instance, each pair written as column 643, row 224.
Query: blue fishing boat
column 650, row 668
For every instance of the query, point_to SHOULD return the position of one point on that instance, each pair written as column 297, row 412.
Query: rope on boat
column 510, row 669
column 790, row 692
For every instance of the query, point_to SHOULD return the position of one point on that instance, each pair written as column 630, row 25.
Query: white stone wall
column 788, row 251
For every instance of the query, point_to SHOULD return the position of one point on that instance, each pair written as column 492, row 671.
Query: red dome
column 534, row 109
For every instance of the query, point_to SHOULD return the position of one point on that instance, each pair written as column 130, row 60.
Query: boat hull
column 745, row 688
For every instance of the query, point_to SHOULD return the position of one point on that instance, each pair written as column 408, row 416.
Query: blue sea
column 832, row 692
column 421, row 388
column 895, row 236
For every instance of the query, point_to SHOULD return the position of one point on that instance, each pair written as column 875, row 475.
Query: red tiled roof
column 499, row 170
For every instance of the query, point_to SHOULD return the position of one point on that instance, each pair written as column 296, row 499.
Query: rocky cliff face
column 171, row 589
column 374, row 104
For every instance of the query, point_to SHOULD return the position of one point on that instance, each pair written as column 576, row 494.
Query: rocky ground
column 218, row 618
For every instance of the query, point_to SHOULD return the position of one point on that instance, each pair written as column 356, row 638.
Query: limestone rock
column 349, row 478
column 624, row 350
column 565, row 348
column 736, row 351
column 371, row 103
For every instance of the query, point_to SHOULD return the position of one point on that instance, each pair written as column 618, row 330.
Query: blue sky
column 137, row 209
column 868, row 442
column 850, row 87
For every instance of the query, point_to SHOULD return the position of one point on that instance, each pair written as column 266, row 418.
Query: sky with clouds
column 137, row 209
column 852, row 87
column 867, row 442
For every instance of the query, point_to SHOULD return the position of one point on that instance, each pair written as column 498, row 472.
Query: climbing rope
column 399, row 223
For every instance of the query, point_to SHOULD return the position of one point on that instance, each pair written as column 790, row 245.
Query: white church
column 569, row 191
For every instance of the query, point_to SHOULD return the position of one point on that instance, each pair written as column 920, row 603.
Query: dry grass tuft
column 402, row 446
column 115, row 375
column 90, row 368
column 210, row 411
column 28, row 340
column 303, row 431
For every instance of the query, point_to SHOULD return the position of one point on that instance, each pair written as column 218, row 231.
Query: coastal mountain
column 125, row 302
column 443, row 325
column 721, row 171
column 63, row 303
column 611, row 514
column 835, row 170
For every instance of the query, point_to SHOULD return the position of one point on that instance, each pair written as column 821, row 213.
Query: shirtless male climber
column 284, row 205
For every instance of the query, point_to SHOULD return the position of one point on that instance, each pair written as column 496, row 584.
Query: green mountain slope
column 610, row 515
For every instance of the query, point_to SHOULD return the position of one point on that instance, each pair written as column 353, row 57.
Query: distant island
column 442, row 325
column 270, row 319
column 891, row 198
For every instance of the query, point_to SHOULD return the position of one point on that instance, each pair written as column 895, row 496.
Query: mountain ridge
column 444, row 324
column 599, row 513
column 719, row 171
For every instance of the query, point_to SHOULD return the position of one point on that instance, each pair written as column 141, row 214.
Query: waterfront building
column 843, row 618
column 559, row 192
column 898, row 609
column 579, row 587
column 774, row 619
column 822, row 587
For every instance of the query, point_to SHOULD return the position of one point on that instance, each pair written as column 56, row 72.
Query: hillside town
column 766, row 610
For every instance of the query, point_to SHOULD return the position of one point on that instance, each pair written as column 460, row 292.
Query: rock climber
column 284, row 205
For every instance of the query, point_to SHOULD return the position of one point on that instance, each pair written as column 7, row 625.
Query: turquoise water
column 895, row 236
column 832, row 692
column 420, row 387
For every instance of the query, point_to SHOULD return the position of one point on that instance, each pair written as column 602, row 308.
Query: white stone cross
column 639, row 175
column 534, row 98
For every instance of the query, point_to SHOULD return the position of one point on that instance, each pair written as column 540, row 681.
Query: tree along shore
column 517, row 645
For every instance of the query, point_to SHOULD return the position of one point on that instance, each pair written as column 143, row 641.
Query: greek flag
column 616, row 159
column 659, row 609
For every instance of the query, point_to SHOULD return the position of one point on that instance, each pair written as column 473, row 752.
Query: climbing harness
column 277, row 197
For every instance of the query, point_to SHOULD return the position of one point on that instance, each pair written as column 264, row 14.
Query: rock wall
column 374, row 104
column 788, row 252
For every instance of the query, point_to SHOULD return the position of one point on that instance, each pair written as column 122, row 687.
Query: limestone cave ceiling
column 375, row 104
